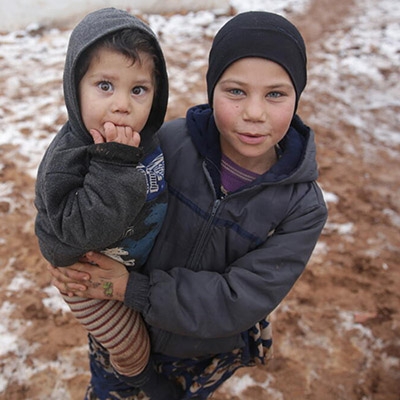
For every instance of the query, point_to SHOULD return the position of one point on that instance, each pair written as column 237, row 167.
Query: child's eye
column 105, row 86
column 236, row 92
column 138, row 90
column 275, row 95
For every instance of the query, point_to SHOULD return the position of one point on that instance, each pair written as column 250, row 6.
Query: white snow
column 361, row 58
column 29, row 118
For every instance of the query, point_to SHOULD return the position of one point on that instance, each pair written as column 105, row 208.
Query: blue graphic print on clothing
column 153, row 167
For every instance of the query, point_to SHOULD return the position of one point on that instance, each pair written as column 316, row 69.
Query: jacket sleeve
column 82, row 209
column 208, row 304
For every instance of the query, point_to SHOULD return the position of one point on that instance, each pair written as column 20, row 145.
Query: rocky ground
column 337, row 334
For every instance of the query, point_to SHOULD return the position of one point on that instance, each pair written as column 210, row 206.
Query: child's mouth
column 249, row 138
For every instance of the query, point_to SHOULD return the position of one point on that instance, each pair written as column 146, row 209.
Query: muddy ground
column 337, row 334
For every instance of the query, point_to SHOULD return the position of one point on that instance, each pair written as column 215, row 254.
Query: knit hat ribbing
column 258, row 34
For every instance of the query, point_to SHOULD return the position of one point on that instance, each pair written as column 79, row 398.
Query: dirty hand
column 96, row 276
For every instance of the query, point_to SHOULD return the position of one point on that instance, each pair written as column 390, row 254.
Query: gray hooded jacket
column 95, row 196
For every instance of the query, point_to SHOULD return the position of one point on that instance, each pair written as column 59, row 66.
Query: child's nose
column 121, row 103
column 254, row 110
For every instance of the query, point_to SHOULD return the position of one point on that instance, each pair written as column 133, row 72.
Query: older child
column 244, row 213
column 97, row 189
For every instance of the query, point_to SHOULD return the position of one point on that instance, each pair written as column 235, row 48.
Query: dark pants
column 199, row 377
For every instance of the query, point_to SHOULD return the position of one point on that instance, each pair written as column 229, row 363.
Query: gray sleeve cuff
column 117, row 153
column 137, row 292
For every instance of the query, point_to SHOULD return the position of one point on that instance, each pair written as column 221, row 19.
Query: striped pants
column 117, row 328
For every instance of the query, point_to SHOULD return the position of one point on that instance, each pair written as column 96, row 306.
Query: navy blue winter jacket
column 222, row 263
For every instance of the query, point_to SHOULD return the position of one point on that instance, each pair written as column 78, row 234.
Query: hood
column 93, row 27
column 297, row 162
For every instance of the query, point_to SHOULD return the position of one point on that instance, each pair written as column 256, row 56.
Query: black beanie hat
column 258, row 34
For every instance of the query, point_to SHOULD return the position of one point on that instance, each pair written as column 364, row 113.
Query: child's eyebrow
column 231, row 82
column 143, row 81
column 280, row 85
column 276, row 85
column 103, row 76
column 113, row 77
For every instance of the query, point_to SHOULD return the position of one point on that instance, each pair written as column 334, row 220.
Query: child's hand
column 97, row 136
column 121, row 134
column 96, row 276
column 113, row 133
column 69, row 280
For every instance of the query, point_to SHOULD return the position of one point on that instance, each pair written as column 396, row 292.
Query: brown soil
column 336, row 334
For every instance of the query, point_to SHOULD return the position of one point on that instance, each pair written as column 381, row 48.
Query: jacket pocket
column 174, row 345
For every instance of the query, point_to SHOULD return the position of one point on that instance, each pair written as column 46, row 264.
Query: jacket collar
column 294, row 146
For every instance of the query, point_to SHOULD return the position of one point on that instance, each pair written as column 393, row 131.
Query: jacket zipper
column 194, row 259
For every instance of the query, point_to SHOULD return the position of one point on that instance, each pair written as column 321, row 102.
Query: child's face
column 254, row 102
column 115, row 90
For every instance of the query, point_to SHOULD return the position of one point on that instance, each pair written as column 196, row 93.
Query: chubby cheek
column 87, row 108
column 225, row 117
column 282, row 120
column 87, row 115
column 140, row 122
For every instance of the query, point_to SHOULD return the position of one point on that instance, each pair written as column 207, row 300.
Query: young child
column 244, row 212
column 97, row 189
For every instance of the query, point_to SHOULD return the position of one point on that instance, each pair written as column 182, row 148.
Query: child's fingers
column 128, row 136
column 62, row 279
column 70, row 289
column 121, row 134
column 136, row 139
column 110, row 132
column 97, row 136
column 68, row 274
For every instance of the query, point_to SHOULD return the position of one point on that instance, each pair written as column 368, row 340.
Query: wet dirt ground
column 337, row 334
